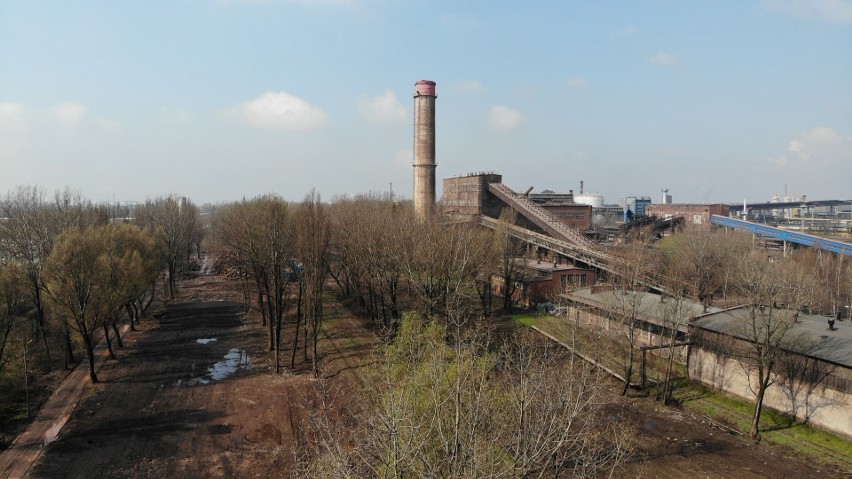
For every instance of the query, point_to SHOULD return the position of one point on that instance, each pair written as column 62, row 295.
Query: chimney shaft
column 424, row 148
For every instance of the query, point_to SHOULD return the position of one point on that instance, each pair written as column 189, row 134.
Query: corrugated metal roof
column 833, row 346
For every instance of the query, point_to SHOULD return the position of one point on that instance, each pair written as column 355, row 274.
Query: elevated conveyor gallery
column 784, row 235
column 591, row 257
column 539, row 216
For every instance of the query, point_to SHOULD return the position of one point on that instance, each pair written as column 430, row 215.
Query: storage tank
column 595, row 200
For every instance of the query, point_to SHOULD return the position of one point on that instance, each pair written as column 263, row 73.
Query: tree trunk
column 315, row 357
column 667, row 384
column 117, row 334
column 151, row 298
column 507, row 294
column 277, row 351
column 108, row 342
column 316, row 313
column 627, row 379
column 69, row 348
column 629, row 371
column 278, row 323
column 90, row 354
column 41, row 328
column 631, row 336
column 298, row 322
column 305, row 341
column 131, row 314
column 754, row 432
column 270, row 323
column 172, row 281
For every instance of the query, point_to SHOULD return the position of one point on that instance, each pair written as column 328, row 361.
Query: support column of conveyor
column 540, row 216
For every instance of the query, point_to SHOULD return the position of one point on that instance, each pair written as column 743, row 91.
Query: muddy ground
column 162, row 412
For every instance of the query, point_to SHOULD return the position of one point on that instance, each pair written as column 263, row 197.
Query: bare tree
column 72, row 269
column 313, row 243
column 176, row 218
column 12, row 301
column 27, row 234
column 258, row 235
column 368, row 236
column 625, row 298
column 676, row 314
column 128, row 264
column 509, row 249
column 91, row 272
column 702, row 260
column 833, row 272
column 775, row 292
column 444, row 265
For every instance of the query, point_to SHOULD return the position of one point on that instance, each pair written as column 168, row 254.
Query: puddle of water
column 205, row 340
column 234, row 360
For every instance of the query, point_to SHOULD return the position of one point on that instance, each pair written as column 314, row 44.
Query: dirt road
column 51, row 418
column 194, row 397
column 173, row 406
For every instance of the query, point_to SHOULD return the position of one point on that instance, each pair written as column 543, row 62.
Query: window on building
column 573, row 281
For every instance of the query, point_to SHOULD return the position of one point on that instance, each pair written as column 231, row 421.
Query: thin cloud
column 12, row 116
column 503, row 118
column 628, row 31
column 69, row 113
column 664, row 59
column 822, row 134
column 384, row 108
column 470, row 86
column 282, row 111
column 577, row 83
column 817, row 145
column 832, row 11
column 180, row 116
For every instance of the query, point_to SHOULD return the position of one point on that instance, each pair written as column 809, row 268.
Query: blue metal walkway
column 784, row 235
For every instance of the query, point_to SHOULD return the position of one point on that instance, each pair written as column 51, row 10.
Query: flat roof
column 649, row 307
column 832, row 346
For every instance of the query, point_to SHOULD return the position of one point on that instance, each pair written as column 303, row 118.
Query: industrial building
column 815, row 386
column 470, row 195
column 539, row 281
column 694, row 214
column 635, row 207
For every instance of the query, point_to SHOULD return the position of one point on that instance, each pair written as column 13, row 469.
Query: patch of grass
column 526, row 319
column 775, row 428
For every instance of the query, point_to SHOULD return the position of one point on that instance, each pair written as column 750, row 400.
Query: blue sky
column 223, row 99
